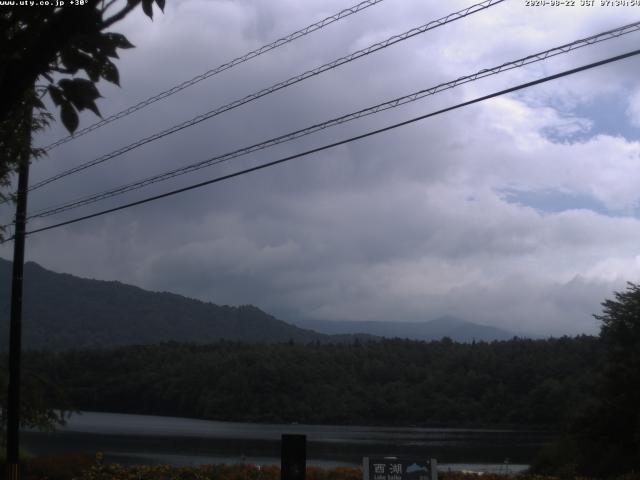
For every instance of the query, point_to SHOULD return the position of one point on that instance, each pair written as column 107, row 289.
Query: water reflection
column 180, row 441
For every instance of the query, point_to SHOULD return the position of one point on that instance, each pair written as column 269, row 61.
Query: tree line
column 401, row 382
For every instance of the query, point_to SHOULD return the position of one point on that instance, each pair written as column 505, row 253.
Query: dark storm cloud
column 405, row 225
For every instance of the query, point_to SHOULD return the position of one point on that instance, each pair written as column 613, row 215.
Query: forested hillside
column 519, row 382
column 63, row 311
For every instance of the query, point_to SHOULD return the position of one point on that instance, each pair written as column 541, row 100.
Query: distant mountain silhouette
column 62, row 311
column 447, row 326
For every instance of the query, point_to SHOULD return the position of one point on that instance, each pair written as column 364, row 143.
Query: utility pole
column 15, row 325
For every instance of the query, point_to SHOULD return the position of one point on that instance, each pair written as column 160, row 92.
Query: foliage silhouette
column 53, row 46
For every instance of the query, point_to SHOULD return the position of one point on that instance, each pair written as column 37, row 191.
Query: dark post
column 293, row 459
column 15, row 325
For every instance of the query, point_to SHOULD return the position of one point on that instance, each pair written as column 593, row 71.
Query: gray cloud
column 407, row 225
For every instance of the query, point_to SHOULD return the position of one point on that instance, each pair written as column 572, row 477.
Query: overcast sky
column 519, row 212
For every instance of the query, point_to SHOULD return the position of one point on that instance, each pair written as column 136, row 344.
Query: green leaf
column 106, row 47
column 79, row 87
column 56, row 95
column 81, row 92
column 110, row 73
column 69, row 117
column 93, row 72
column 118, row 39
column 91, row 105
column 147, row 7
column 74, row 60
column 70, row 60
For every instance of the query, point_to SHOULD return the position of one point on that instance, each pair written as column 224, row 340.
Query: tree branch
column 108, row 5
column 118, row 16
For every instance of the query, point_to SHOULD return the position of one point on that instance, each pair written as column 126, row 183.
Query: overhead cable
column 396, row 102
column 341, row 142
column 278, row 86
column 221, row 68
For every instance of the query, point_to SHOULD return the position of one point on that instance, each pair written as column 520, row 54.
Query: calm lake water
column 182, row 441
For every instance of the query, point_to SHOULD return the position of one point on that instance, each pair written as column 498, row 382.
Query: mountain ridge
column 63, row 311
column 454, row 328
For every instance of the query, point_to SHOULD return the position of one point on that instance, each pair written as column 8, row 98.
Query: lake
column 149, row 439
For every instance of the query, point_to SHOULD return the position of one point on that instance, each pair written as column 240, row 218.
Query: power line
column 600, row 37
column 221, row 68
column 278, row 86
column 341, row 142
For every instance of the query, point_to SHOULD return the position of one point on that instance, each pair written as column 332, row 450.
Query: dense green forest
column 518, row 382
